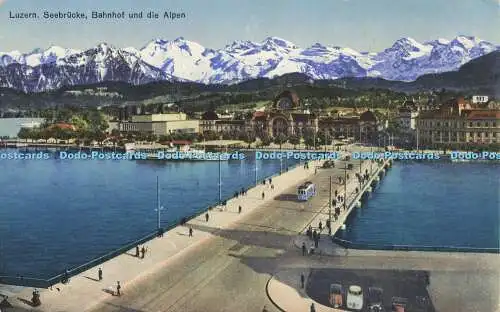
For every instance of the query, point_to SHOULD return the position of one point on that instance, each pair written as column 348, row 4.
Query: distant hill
column 184, row 60
column 480, row 75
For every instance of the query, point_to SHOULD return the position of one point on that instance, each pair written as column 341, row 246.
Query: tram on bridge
column 306, row 191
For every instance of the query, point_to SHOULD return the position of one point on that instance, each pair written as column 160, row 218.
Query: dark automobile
column 399, row 304
column 329, row 164
column 375, row 299
column 336, row 297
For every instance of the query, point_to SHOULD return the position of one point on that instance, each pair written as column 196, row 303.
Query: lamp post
column 220, row 179
column 314, row 137
column 417, row 138
column 330, row 210
column 255, row 168
column 326, row 140
column 345, row 186
column 159, row 208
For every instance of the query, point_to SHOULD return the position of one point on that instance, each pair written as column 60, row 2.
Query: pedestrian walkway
column 326, row 245
column 85, row 291
column 285, row 292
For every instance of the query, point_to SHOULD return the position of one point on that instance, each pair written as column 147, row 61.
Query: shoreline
column 110, row 256
column 109, row 153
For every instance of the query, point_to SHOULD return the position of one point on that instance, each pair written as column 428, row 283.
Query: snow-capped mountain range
column 184, row 60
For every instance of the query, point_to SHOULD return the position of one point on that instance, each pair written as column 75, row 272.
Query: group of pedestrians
column 118, row 286
column 140, row 253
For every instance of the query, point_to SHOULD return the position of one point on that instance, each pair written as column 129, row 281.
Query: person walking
column 137, row 251
column 313, row 308
column 239, row 209
column 320, row 226
column 190, row 232
column 302, row 280
column 118, row 288
column 143, row 252
column 263, row 195
column 304, row 249
column 99, row 274
column 206, row 217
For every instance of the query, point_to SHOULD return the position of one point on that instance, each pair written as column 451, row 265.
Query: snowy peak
column 438, row 42
column 184, row 60
column 278, row 42
column 466, row 42
column 240, row 45
column 409, row 45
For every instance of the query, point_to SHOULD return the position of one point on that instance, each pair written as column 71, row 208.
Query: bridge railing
column 370, row 246
column 46, row 283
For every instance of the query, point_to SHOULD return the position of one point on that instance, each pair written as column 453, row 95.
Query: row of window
column 462, row 134
column 456, row 124
column 331, row 130
column 458, row 140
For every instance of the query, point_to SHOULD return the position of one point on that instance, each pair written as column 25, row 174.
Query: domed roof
column 210, row 115
column 291, row 95
column 368, row 116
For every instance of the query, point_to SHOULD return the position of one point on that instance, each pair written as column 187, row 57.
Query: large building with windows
column 210, row 121
column 362, row 128
column 287, row 116
column 458, row 123
column 284, row 116
column 161, row 124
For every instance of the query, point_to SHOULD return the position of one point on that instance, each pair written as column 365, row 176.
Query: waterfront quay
column 243, row 262
column 278, row 212
column 82, row 292
column 427, row 279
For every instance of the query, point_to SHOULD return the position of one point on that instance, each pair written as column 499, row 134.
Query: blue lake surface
column 10, row 126
column 58, row 214
column 433, row 204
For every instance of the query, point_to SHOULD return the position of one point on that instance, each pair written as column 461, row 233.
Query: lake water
column 10, row 126
column 57, row 214
column 432, row 204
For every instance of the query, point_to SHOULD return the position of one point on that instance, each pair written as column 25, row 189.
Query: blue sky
column 364, row 25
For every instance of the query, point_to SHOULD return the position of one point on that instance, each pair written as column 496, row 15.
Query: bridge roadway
column 230, row 271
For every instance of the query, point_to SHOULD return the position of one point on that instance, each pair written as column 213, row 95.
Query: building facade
column 161, row 124
column 211, row 122
column 458, row 123
column 407, row 118
column 285, row 116
column 362, row 128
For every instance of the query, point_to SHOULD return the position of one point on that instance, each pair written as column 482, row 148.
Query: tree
column 211, row 135
column 309, row 137
column 227, row 135
column 280, row 139
column 79, row 122
column 24, row 134
column 265, row 140
column 250, row 137
column 295, row 140
column 324, row 138
column 247, row 136
column 116, row 133
column 96, row 120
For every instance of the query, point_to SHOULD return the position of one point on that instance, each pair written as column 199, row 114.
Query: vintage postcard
column 210, row 156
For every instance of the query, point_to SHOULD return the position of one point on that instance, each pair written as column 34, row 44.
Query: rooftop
column 220, row 143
